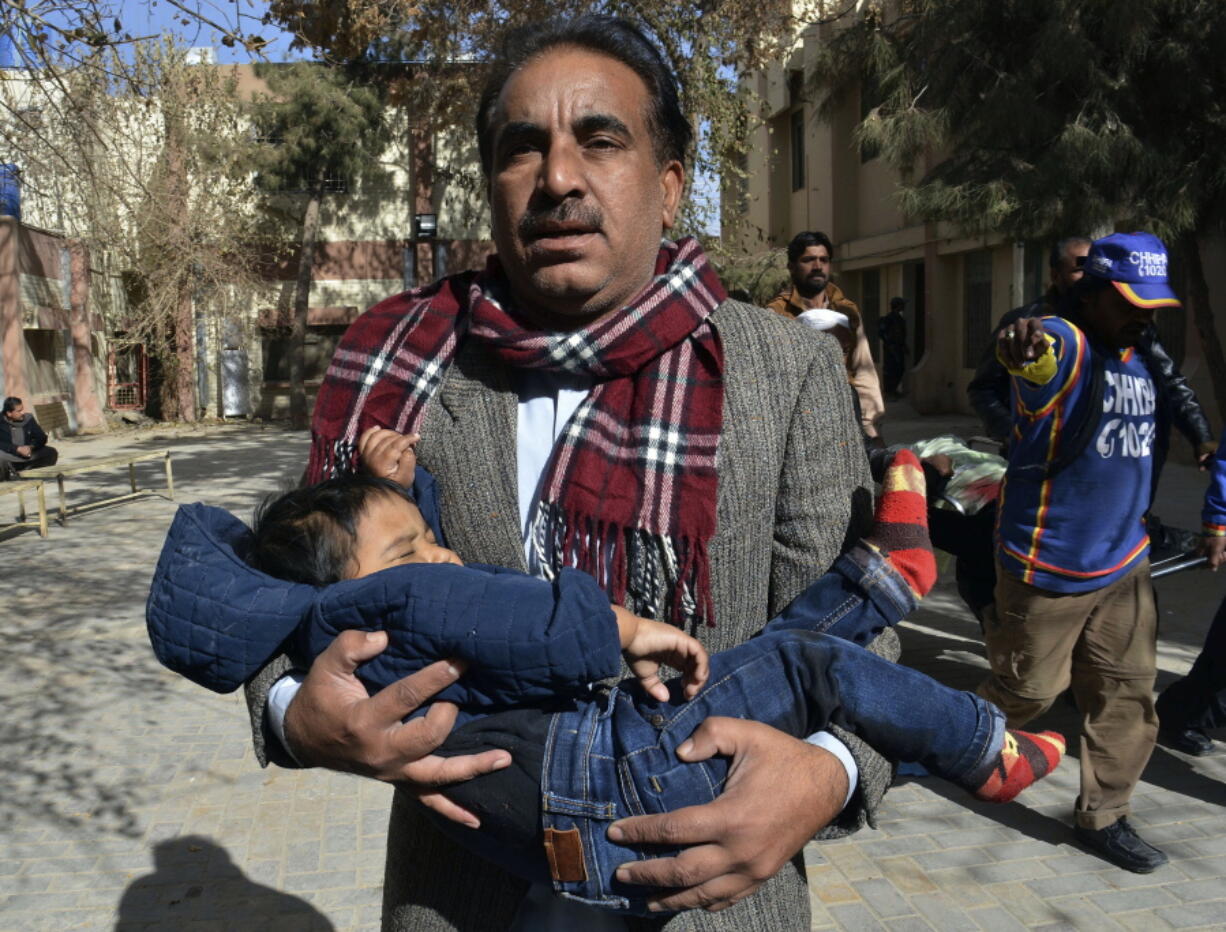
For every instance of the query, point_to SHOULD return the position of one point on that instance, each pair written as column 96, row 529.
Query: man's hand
column 779, row 793
column 25, row 450
column 389, row 455
column 333, row 723
column 1021, row 342
column 1215, row 549
column 647, row 644
column 1204, row 454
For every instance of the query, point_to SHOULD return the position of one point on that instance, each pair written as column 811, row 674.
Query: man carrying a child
column 592, row 399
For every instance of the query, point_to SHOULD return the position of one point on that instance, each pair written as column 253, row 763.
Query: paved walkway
column 129, row 799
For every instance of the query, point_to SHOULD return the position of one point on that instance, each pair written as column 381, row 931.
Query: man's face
column 1065, row 275
column 17, row 413
column 811, row 270
column 1112, row 319
column 578, row 198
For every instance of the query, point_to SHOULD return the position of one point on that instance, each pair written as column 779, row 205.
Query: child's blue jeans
column 615, row 756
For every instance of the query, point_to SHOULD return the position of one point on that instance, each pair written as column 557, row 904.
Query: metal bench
column 61, row 470
column 20, row 487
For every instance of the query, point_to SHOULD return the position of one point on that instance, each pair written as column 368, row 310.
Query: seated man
column 22, row 442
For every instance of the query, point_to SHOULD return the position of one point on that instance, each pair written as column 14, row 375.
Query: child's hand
column 389, row 455
column 647, row 644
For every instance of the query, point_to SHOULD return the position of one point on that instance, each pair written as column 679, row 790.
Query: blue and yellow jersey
column 1213, row 517
column 1083, row 528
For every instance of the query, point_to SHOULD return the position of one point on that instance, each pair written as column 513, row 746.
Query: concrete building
column 806, row 173
column 52, row 329
column 402, row 223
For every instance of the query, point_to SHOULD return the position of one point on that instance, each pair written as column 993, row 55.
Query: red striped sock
column 1024, row 759
column 900, row 524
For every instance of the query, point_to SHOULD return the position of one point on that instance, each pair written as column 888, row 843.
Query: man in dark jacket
column 22, row 442
column 988, row 391
column 892, row 332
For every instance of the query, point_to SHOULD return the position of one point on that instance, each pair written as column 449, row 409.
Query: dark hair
column 897, row 301
column 617, row 38
column 11, row 403
column 802, row 241
column 307, row 535
column 1056, row 256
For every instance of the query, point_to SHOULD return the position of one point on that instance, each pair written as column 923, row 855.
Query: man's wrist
column 280, row 695
column 828, row 742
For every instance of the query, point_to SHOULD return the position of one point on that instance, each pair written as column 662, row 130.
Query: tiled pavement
column 129, row 799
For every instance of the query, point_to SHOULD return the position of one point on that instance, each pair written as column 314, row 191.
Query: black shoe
column 7, row 472
column 1188, row 740
column 1120, row 844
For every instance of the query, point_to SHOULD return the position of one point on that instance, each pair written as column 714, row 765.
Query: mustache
column 535, row 223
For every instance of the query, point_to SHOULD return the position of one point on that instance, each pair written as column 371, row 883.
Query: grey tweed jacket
column 793, row 488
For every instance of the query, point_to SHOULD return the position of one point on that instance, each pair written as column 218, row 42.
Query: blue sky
column 152, row 17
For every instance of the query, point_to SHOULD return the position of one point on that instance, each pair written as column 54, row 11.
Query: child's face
column 392, row 532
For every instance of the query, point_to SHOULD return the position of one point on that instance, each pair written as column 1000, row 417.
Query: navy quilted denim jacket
column 217, row 620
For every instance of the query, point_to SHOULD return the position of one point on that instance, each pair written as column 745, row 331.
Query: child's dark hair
column 307, row 535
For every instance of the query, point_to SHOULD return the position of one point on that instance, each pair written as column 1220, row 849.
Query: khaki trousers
column 1103, row 644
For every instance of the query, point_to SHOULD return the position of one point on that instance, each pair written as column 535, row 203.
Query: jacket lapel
column 468, row 443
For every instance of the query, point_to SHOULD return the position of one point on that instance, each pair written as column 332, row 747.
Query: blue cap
column 1135, row 263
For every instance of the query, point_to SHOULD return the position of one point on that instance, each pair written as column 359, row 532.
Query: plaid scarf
column 630, row 491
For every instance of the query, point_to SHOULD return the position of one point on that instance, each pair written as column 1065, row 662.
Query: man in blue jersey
column 1073, row 603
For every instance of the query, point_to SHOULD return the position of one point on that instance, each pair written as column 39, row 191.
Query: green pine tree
column 1044, row 118
column 322, row 127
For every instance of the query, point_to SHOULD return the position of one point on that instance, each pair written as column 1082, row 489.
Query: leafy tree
column 1041, row 118
column 761, row 274
column 141, row 157
column 61, row 34
column 320, row 126
column 708, row 43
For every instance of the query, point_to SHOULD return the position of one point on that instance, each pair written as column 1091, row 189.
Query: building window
column 798, row 149
column 127, row 375
column 976, row 304
column 320, row 341
column 333, row 181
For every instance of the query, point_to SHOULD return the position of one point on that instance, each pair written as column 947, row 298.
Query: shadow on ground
column 942, row 640
column 195, row 881
column 76, row 666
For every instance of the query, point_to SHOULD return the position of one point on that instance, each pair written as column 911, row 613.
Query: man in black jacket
column 989, row 389
column 970, row 539
column 22, row 442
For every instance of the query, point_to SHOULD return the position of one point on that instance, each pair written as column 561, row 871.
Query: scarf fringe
column 329, row 459
column 650, row 574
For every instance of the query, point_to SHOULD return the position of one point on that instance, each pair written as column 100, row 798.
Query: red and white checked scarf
column 630, row 491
